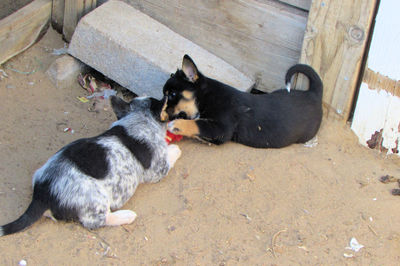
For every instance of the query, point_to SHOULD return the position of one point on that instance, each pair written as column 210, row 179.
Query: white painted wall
column 378, row 109
column 384, row 55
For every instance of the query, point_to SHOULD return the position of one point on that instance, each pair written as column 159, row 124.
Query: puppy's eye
column 171, row 95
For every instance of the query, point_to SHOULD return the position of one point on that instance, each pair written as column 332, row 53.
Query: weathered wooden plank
column 260, row 38
column 73, row 11
column 21, row 29
column 302, row 4
column 334, row 45
column 57, row 15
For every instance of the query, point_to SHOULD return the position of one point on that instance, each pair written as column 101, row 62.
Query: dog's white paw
column 174, row 152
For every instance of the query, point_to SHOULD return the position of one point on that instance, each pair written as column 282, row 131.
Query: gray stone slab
column 140, row 53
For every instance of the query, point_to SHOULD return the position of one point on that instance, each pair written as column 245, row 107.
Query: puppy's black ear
column 119, row 106
column 190, row 69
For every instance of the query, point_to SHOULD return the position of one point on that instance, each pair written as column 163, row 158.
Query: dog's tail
column 315, row 81
column 31, row 215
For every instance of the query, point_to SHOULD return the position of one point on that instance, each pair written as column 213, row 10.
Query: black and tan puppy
column 215, row 112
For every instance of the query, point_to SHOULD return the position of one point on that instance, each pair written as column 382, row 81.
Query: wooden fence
column 262, row 38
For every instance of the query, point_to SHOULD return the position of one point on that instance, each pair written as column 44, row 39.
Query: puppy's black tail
column 315, row 81
column 31, row 215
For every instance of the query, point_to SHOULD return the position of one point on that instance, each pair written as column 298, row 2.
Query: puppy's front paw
column 184, row 127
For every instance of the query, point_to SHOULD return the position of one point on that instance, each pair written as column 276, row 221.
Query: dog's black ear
column 190, row 69
column 119, row 106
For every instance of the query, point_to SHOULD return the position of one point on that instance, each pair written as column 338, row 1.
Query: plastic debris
column 348, row 255
column 354, row 245
column 68, row 129
column 91, row 84
column 83, row 99
column 3, row 74
column 60, row 51
column 21, row 72
column 22, row 263
column 311, row 143
column 246, row 216
column 105, row 94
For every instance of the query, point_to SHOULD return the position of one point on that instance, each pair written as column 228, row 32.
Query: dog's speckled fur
column 89, row 178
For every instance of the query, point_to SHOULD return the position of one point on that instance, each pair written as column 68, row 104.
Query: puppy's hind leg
column 173, row 154
column 120, row 217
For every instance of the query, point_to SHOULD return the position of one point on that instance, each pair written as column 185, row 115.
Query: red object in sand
column 171, row 137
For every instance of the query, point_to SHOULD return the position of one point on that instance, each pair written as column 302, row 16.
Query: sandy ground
column 220, row 205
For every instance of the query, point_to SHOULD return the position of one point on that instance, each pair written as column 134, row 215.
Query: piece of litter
column 103, row 94
column 68, row 129
column 374, row 199
column 348, row 255
column 21, row 72
column 246, row 216
column 31, row 83
column 83, row 99
column 311, row 143
column 354, row 245
column 3, row 74
column 370, row 218
column 303, row 248
column 22, row 263
column 60, row 51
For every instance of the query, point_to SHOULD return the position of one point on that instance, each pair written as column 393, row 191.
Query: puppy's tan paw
column 184, row 127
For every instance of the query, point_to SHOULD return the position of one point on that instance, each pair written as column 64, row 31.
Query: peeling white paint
column 376, row 110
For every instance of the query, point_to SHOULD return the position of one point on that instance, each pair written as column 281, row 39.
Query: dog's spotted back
column 89, row 178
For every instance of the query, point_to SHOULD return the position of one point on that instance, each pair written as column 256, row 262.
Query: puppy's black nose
column 182, row 115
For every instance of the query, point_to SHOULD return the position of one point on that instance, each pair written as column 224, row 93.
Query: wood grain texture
column 334, row 44
column 262, row 39
column 21, row 29
column 378, row 82
column 57, row 15
column 73, row 11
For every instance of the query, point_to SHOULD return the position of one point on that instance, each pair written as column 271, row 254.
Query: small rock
column 64, row 71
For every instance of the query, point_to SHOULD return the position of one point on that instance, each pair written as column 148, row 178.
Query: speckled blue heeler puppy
column 89, row 179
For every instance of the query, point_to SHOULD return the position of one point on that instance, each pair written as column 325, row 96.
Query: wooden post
column 334, row 44
column 57, row 15
column 73, row 11
column 21, row 29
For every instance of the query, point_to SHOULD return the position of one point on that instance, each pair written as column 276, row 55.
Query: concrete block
column 63, row 72
column 140, row 53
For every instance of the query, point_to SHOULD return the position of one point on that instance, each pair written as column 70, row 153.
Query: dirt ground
column 220, row 205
